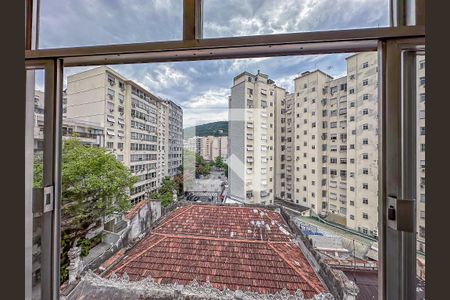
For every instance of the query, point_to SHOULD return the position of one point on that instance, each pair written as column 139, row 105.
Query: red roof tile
column 225, row 245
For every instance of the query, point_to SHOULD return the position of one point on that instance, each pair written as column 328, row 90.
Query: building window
column 422, row 80
column 365, row 111
column 365, row 186
column 351, row 91
column 422, row 130
column 365, row 141
column 422, row 214
column 365, row 171
column 365, row 156
column 422, row 198
column 365, row 216
column 422, row 147
column 365, row 82
column 365, row 96
column 422, row 114
column 365, row 126
column 352, row 217
column 110, row 145
column 250, row 91
column 365, row 65
column 422, row 64
column 422, row 97
column 365, row 201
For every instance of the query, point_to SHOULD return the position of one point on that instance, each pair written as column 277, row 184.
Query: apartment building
column 329, row 144
column 175, row 137
column 191, row 144
column 251, row 137
column 136, row 124
column 163, row 141
column 420, row 199
column 363, row 150
column 209, row 147
column 306, row 125
column 334, row 149
column 88, row 133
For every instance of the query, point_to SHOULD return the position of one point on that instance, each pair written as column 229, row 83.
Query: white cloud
column 209, row 99
column 165, row 77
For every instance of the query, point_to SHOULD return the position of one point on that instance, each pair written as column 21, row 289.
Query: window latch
column 43, row 199
column 400, row 214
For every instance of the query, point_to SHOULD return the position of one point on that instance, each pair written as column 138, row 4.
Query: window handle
column 400, row 214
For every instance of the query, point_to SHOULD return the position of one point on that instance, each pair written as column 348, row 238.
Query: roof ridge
column 206, row 237
column 299, row 272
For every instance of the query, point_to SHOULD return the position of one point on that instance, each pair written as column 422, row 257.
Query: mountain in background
column 209, row 129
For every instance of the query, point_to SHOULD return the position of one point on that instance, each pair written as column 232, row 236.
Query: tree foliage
column 202, row 167
column 94, row 184
column 218, row 162
column 165, row 192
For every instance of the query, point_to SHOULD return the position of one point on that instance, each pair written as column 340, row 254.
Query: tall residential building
column 332, row 127
column 175, row 137
column 326, row 142
column 88, row 133
column 136, row 123
column 209, row 147
column 362, row 132
column 251, row 137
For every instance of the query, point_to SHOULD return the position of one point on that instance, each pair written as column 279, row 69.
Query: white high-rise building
column 142, row 130
column 326, row 142
column 251, row 138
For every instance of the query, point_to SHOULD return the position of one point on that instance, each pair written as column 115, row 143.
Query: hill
column 209, row 129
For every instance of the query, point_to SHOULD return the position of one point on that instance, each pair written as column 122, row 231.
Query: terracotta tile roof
column 224, row 246
column 112, row 259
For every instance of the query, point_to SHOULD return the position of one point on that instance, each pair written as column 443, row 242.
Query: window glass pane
column 66, row 23
column 254, row 17
column 38, row 152
column 420, row 188
column 246, row 131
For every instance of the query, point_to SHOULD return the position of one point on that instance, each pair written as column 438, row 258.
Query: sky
column 202, row 88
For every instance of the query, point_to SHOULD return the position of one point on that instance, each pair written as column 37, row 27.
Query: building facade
column 251, row 138
column 137, row 124
column 209, row 147
column 326, row 142
column 88, row 133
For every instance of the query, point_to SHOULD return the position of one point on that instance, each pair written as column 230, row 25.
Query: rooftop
column 233, row 247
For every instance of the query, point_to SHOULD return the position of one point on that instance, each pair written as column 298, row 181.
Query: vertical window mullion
column 192, row 19
column 51, row 236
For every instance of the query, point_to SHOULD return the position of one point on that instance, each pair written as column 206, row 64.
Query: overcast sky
column 202, row 88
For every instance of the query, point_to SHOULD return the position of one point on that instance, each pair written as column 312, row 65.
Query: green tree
column 202, row 167
column 165, row 192
column 94, row 184
column 218, row 162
